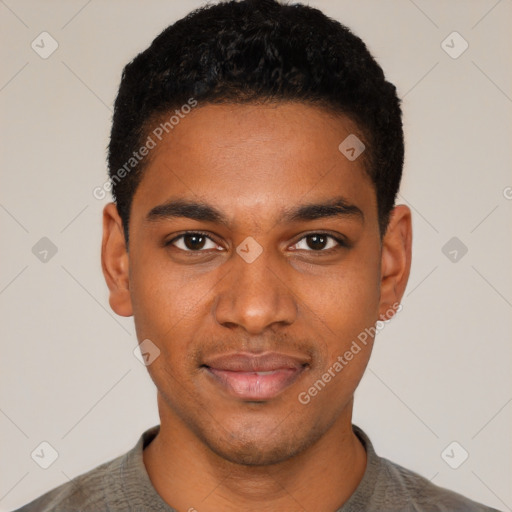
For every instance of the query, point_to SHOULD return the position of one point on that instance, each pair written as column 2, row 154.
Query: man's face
column 263, row 290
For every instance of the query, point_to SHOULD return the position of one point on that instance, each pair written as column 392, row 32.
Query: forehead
column 255, row 158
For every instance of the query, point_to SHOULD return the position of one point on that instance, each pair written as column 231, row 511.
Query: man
column 255, row 155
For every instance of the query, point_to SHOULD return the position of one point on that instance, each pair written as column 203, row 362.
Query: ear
column 115, row 262
column 395, row 260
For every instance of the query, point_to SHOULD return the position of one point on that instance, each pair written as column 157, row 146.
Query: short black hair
column 257, row 51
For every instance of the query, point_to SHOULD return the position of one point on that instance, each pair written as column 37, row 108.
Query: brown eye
column 193, row 242
column 318, row 242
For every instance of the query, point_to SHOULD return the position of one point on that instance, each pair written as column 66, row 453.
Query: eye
column 319, row 242
column 193, row 242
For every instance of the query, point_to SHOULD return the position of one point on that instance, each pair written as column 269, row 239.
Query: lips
column 255, row 377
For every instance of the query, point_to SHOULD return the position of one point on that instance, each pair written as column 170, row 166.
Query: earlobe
column 115, row 262
column 396, row 260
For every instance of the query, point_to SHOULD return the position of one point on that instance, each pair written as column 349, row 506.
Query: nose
column 256, row 295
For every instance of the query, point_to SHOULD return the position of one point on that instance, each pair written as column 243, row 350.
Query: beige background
column 441, row 371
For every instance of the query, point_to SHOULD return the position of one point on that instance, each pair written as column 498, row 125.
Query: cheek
column 346, row 302
column 356, row 307
column 345, row 312
column 345, row 308
column 162, row 299
column 166, row 307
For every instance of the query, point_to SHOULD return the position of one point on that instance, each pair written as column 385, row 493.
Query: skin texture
column 253, row 162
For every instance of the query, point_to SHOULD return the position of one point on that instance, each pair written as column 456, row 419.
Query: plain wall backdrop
column 441, row 370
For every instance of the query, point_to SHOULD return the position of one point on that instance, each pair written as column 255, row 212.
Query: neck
column 188, row 475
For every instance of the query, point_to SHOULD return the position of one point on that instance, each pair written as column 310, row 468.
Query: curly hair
column 257, row 51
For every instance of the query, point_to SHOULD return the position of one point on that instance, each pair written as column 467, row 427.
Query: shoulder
column 389, row 487
column 86, row 492
column 120, row 484
column 398, row 484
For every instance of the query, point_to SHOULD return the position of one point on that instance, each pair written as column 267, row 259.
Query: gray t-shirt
column 123, row 485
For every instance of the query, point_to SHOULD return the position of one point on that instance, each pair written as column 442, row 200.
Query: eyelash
column 341, row 243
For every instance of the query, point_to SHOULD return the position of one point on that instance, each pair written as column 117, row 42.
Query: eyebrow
column 201, row 211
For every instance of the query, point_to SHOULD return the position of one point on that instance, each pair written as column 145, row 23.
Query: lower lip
column 255, row 386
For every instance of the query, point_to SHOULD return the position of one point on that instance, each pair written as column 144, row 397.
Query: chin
column 256, row 446
column 254, row 454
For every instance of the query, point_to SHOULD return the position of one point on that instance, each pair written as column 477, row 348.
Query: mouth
column 255, row 377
